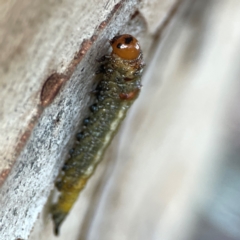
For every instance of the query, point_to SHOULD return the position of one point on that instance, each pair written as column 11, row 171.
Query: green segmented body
column 116, row 92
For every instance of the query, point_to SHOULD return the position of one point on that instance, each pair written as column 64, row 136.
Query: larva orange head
column 126, row 47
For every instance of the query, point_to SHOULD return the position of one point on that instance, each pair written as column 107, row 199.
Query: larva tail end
column 58, row 218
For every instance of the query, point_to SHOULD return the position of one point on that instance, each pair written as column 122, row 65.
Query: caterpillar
column 119, row 86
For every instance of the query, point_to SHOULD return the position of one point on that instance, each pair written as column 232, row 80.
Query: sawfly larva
column 119, row 87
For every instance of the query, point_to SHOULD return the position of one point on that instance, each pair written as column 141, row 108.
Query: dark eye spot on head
column 115, row 39
column 119, row 45
column 128, row 40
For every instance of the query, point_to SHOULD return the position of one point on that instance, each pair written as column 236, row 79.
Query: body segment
column 119, row 87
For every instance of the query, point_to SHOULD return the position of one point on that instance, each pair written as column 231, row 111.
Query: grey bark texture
column 173, row 170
